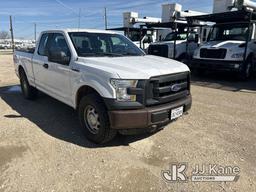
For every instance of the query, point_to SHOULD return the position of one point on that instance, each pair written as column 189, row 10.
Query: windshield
column 174, row 36
column 229, row 32
column 102, row 44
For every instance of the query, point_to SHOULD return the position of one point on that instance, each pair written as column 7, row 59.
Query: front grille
column 213, row 53
column 158, row 50
column 162, row 89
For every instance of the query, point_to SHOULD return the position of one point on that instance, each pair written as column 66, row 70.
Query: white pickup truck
column 112, row 84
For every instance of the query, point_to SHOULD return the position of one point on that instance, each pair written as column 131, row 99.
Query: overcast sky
column 48, row 14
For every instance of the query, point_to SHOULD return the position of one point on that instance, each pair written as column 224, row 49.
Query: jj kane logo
column 176, row 173
column 201, row 173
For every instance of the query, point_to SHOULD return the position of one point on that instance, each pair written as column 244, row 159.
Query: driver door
column 192, row 43
column 58, row 78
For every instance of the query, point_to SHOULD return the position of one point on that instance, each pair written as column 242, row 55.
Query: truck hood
column 222, row 44
column 135, row 67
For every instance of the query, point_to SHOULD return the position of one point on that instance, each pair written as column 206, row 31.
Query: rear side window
column 42, row 44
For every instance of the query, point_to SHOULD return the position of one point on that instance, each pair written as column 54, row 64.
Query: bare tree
column 4, row 35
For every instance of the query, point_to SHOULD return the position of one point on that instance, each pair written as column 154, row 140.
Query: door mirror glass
column 147, row 39
column 193, row 38
column 58, row 56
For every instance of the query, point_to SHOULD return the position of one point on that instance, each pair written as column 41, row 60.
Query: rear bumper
column 215, row 65
column 149, row 117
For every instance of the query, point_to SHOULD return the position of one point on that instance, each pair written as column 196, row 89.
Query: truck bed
column 26, row 50
column 24, row 58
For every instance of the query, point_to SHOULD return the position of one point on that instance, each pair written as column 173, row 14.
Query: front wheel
column 94, row 119
column 246, row 72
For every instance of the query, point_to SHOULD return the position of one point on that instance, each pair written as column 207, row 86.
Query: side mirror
column 196, row 38
column 191, row 38
column 145, row 39
column 58, row 56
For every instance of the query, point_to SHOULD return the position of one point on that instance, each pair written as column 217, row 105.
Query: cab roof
column 79, row 30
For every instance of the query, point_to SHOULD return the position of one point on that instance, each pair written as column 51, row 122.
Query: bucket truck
column 231, row 45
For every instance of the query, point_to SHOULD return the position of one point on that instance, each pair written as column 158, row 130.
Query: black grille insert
column 213, row 53
column 168, row 88
column 158, row 50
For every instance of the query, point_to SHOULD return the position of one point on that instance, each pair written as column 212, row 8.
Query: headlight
column 121, row 87
column 237, row 55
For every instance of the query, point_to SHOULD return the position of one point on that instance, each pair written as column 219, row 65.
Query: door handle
column 76, row 70
column 46, row 66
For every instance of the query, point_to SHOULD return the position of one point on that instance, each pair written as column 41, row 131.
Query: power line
column 67, row 7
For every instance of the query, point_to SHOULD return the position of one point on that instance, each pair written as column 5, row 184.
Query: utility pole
column 105, row 18
column 79, row 18
column 11, row 30
column 35, row 31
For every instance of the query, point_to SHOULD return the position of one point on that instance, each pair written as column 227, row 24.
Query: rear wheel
column 28, row 91
column 94, row 119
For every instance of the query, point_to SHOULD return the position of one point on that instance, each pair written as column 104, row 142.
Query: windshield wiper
column 108, row 54
column 133, row 54
column 97, row 54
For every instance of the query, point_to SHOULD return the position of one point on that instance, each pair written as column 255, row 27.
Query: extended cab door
column 58, row 70
column 40, row 60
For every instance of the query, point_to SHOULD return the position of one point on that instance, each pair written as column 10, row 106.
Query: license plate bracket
column 177, row 112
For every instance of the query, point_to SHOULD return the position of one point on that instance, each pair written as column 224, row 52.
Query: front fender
column 98, row 80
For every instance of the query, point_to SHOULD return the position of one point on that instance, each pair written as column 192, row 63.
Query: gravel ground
column 42, row 148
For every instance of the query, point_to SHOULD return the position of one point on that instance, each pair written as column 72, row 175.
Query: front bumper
column 215, row 65
column 149, row 117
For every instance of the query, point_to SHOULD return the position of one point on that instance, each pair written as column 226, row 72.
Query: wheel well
column 85, row 90
column 21, row 69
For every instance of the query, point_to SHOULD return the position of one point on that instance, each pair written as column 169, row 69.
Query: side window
column 59, row 43
column 42, row 44
column 58, row 49
column 103, row 45
column 116, row 41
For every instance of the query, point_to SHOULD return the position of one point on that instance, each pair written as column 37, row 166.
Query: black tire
column 199, row 72
column 246, row 72
column 98, row 132
column 28, row 91
column 183, row 58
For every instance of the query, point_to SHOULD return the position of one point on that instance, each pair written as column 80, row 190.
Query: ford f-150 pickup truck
column 112, row 84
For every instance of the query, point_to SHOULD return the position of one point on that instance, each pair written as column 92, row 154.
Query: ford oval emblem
column 176, row 87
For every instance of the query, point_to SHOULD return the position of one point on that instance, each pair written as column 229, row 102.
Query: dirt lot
column 42, row 148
